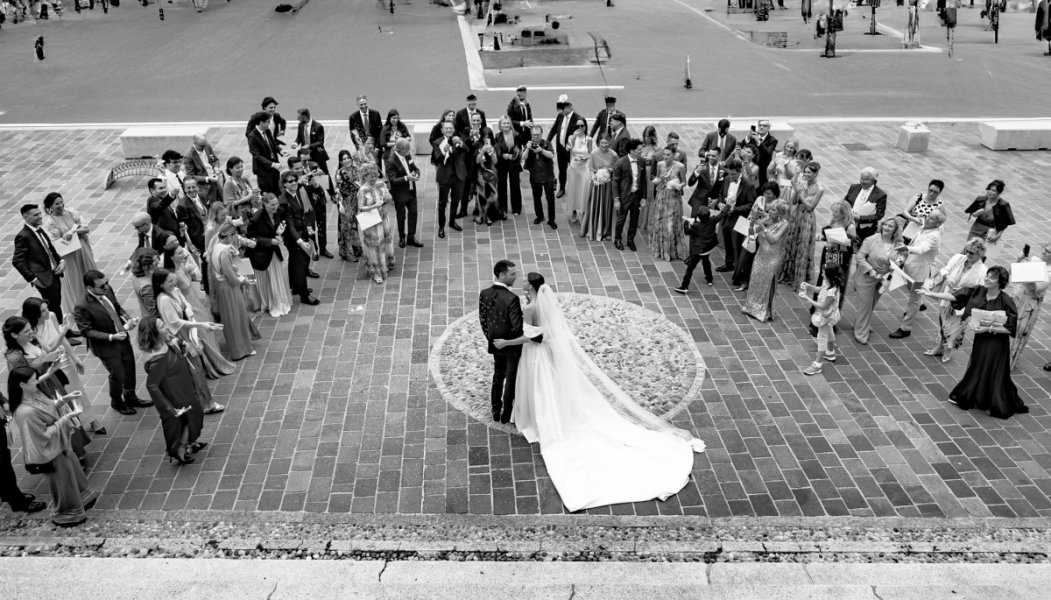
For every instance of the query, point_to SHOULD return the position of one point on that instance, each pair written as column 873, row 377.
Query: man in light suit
column 202, row 164
column 565, row 124
column 708, row 179
column 462, row 121
column 629, row 192
column 450, row 173
column 521, row 115
column 403, row 175
column 603, row 121
column 722, row 140
column 735, row 200
column 36, row 259
column 265, row 153
column 863, row 193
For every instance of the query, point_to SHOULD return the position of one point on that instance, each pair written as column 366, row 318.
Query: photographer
column 540, row 162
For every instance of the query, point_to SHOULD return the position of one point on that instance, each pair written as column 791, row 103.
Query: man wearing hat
column 521, row 115
column 565, row 124
column 462, row 122
column 602, row 121
column 366, row 122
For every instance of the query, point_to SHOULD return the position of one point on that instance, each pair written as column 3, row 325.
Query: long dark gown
column 171, row 385
column 986, row 383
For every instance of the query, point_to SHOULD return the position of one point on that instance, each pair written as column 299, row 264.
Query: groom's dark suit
column 500, row 313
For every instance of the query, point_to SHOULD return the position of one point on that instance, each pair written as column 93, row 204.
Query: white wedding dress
column 600, row 447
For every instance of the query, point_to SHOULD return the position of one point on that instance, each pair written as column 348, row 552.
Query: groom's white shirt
column 505, row 286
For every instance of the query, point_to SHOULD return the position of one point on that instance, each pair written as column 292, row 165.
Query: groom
column 500, row 313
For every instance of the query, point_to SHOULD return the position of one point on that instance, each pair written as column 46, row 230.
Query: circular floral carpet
column 653, row 360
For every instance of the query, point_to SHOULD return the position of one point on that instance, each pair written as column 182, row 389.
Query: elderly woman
column 238, row 328
column 802, row 231
column 347, row 181
column 64, row 224
column 47, row 447
column 992, row 215
column 239, row 195
column 920, row 206
column 963, row 272
column 379, row 238
column 986, row 384
column 875, row 256
column 919, row 257
column 665, row 237
column 171, row 386
column 1028, row 297
column 143, row 262
column 770, row 251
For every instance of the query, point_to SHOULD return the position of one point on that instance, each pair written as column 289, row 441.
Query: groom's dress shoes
column 631, row 246
column 618, row 245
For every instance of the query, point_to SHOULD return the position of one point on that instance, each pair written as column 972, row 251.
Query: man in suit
column 192, row 213
column 629, row 192
column 539, row 160
column 299, row 236
column 266, row 228
column 162, row 208
column 521, row 115
column 707, row 178
column 149, row 235
column 107, row 328
column 676, row 154
column 202, row 164
column 735, row 200
column 172, row 176
column 701, row 229
column 462, row 121
column 603, row 121
column 311, row 135
column 36, row 259
column 365, row 123
column 565, row 124
column 500, row 314
column 403, row 175
column 277, row 123
column 450, row 172
column 763, row 145
column 869, row 202
column 722, row 140
column 264, row 150
column 319, row 197
column 618, row 135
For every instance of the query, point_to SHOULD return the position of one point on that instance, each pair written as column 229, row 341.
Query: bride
column 599, row 446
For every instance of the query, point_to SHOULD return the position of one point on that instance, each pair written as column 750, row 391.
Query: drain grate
column 857, row 147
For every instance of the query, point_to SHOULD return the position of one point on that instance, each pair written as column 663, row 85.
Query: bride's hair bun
column 535, row 281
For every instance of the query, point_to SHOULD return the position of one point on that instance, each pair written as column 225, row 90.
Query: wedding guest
column 783, row 166
column 706, row 179
column 188, row 280
column 665, row 238
column 239, row 195
column 484, row 185
column 749, row 170
column 508, row 167
column 46, row 445
column 649, row 155
column 986, row 384
column 36, row 259
column 266, row 228
column 177, row 320
column 735, row 201
column 841, row 217
column 770, row 236
column 1028, row 298
column 868, row 202
column 313, row 193
column 10, row 493
column 743, row 268
column 597, row 224
column 171, row 386
column 298, row 221
column 802, row 158
column 347, row 179
column 992, row 215
column 22, row 349
column 438, row 131
column 802, row 232
column 63, row 223
column 450, row 172
column 578, row 179
column 52, row 336
column 393, row 130
column 763, row 145
column 921, row 205
column 629, row 180
column 918, row 260
column 540, row 162
column 238, row 328
column 826, row 315
column 875, row 256
column 404, row 176
column 701, row 229
column 479, row 141
column 105, row 325
column 378, row 239
column 143, row 262
column 963, row 272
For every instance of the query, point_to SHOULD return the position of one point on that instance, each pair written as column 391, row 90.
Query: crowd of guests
column 213, row 248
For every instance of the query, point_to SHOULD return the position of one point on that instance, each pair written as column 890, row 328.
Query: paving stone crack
column 268, row 596
column 572, row 591
column 876, row 594
column 386, row 562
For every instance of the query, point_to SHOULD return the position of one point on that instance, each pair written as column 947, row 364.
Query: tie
column 713, row 173
column 266, row 139
column 118, row 326
column 722, row 142
column 142, row 240
column 365, row 122
column 306, row 135
column 565, row 131
column 48, row 247
column 609, row 121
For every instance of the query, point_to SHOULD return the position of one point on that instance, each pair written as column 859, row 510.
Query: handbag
column 750, row 244
column 40, row 468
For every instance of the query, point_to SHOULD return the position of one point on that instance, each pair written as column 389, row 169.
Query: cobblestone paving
column 337, row 413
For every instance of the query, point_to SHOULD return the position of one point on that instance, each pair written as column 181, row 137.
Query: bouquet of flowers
column 601, row 176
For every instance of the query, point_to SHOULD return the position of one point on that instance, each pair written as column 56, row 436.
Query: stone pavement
column 337, row 413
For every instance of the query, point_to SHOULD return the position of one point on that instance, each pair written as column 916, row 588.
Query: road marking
column 475, row 70
column 559, row 87
column 710, row 19
column 781, row 66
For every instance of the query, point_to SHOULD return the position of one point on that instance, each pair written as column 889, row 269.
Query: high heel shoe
column 198, row 446
column 181, row 457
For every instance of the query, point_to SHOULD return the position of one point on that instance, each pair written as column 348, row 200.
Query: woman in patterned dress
column 759, row 304
column 921, row 206
column 63, row 223
column 665, row 238
column 347, row 182
column 802, row 231
column 239, row 196
column 379, row 238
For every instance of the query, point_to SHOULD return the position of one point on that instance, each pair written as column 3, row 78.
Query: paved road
column 216, row 66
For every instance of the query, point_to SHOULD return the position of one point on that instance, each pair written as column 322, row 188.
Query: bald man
column 202, row 164
column 868, row 201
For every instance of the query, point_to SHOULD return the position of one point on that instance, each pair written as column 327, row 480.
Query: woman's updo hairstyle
column 535, row 281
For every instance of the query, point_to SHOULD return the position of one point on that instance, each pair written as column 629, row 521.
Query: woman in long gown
column 598, row 211
column 272, row 282
column 665, row 238
column 238, row 328
column 742, row 273
column 347, row 180
column 599, row 446
column 143, row 262
column 759, row 304
column 963, row 271
column 986, row 383
column 176, row 320
column 63, row 223
column 749, row 168
column 171, row 386
column 802, row 232
column 188, row 279
column 784, row 165
column 578, row 181
column 1029, row 297
column 378, row 239
column 649, row 155
column 46, row 442
column 217, row 215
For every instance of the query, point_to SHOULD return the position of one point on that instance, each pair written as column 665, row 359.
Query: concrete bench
column 421, row 134
column 913, row 137
column 1016, row 135
column 153, row 140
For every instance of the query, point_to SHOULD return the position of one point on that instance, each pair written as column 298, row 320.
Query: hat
column 471, row 97
column 611, row 100
column 563, row 98
column 520, row 88
column 268, row 100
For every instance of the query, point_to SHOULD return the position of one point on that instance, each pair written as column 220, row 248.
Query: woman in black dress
column 986, row 383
